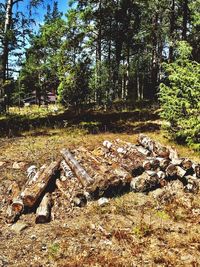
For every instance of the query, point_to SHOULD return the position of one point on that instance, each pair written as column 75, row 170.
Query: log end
column 18, row 207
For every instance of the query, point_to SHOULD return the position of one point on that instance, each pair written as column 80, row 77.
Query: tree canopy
column 103, row 53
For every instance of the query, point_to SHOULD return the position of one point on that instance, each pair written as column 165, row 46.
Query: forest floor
column 130, row 230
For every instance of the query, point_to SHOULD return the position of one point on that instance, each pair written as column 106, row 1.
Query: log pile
column 80, row 176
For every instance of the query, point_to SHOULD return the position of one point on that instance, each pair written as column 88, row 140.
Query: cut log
column 161, row 174
column 80, row 173
column 186, row 164
column 146, row 165
column 151, row 164
column 163, row 163
column 143, row 151
column 43, row 212
column 109, row 180
column 16, row 205
column 31, row 193
column 145, row 182
column 13, row 192
column 192, row 185
column 180, row 172
column 171, row 170
column 67, row 171
column 16, row 202
column 196, row 168
column 176, row 161
column 129, row 146
column 128, row 157
column 32, row 177
column 173, row 154
column 146, row 142
column 156, row 148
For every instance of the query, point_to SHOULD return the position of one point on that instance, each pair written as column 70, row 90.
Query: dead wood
column 156, row 148
column 186, row 164
column 80, row 173
column 171, row 170
column 15, row 203
column 196, row 168
column 163, row 163
column 128, row 158
column 180, row 172
column 192, row 185
column 145, row 182
column 108, row 179
column 66, row 169
column 43, row 212
column 151, row 163
column 129, row 146
column 33, row 191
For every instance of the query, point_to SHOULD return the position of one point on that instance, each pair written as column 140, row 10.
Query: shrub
column 180, row 97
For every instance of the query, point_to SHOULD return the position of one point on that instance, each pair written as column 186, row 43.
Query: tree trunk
column 154, row 65
column 7, row 26
column 43, row 212
column 185, row 19
column 171, row 31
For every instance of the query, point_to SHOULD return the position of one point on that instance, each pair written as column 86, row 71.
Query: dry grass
column 128, row 231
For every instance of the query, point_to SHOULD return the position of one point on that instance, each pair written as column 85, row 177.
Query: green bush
column 180, row 97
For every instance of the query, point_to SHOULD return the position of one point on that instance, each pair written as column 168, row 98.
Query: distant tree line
column 106, row 54
column 103, row 53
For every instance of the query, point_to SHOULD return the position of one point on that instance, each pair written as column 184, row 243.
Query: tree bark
column 80, row 173
column 155, row 147
column 15, row 204
column 185, row 19
column 43, row 212
column 197, row 170
column 171, row 31
column 7, row 26
column 109, row 180
column 171, row 170
column 145, row 182
column 186, row 164
column 32, row 193
column 67, row 171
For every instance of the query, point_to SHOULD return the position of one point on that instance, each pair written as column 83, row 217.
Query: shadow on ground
column 93, row 122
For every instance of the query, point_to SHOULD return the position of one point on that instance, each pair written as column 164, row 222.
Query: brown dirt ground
column 131, row 230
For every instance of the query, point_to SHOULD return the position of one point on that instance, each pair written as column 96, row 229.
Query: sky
column 38, row 14
column 41, row 10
